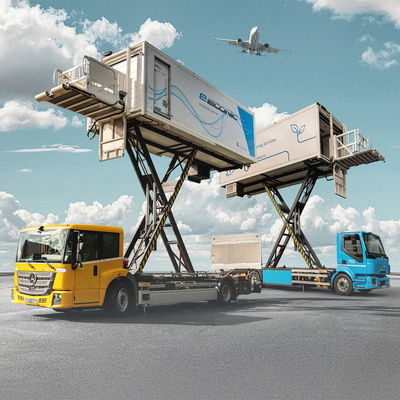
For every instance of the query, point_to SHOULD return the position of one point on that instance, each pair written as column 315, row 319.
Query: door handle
column 95, row 270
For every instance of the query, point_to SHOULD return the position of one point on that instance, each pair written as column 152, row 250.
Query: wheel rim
column 343, row 284
column 122, row 299
column 254, row 280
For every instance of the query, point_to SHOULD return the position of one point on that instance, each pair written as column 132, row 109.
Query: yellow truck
column 83, row 266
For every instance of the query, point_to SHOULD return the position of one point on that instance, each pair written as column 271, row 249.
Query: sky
column 345, row 55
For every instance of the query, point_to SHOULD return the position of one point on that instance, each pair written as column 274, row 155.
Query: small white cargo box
column 236, row 251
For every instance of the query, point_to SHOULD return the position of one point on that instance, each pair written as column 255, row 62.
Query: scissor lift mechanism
column 159, row 208
column 291, row 222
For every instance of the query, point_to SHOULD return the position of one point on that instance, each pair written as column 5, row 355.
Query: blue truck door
column 352, row 254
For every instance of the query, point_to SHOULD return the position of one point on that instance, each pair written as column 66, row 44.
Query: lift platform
column 96, row 98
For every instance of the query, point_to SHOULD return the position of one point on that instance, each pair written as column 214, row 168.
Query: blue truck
column 362, row 265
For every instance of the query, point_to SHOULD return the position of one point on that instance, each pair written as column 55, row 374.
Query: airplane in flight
column 252, row 46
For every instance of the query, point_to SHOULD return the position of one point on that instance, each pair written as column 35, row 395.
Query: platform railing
column 349, row 143
column 71, row 75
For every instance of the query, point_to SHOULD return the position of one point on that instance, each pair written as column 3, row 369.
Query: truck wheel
column 255, row 280
column 225, row 293
column 343, row 285
column 119, row 299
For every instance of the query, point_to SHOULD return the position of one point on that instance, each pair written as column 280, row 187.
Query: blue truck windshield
column 42, row 246
column 374, row 246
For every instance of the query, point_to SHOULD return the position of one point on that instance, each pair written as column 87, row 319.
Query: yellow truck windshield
column 42, row 245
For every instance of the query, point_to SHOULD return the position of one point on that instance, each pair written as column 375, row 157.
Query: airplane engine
column 266, row 45
column 239, row 40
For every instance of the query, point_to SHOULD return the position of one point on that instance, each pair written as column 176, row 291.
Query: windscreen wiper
column 43, row 259
column 30, row 264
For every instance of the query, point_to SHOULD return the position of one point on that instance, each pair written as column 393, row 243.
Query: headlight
column 57, row 299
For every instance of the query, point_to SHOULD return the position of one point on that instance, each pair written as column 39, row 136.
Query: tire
column 119, row 300
column 255, row 280
column 225, row 292
column 343, row 285
column 364, row 291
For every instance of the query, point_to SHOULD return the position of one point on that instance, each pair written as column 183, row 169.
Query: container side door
column 161, row 90
column 112, row 139
column 339, row 181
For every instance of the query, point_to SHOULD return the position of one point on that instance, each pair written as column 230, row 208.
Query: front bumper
column 373, row 282
column 47, row 301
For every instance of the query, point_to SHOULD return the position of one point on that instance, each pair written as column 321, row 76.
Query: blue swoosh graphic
column 276, row 154
column 217, row 124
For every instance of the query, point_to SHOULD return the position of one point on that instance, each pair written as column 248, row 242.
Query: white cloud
column 160, row 34
column 13, row 217
column 344, row 219
column 103, row 29
column 57, row 148
column 382, row 59
column 366, row 38
column 115, row 213
column 204, row 208
column 25, row 170
column 183, row 228
column 35, row 41
column 9, row 223
column 77, row 122
column 266, row 115
column 35, row 219
column 389, row 230
column 390, row 9
column 21, row 115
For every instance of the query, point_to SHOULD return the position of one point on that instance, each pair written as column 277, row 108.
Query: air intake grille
column 36, row 283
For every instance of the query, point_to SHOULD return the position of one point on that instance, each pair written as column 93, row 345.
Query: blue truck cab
column 362, row 263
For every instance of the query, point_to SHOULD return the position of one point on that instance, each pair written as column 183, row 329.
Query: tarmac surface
column 280, row 344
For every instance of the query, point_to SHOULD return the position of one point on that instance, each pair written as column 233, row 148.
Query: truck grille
column 35, row 283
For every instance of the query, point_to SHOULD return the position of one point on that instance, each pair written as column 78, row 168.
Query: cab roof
column 85, row 227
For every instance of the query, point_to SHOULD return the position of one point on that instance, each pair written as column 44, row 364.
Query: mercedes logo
column 32, row 278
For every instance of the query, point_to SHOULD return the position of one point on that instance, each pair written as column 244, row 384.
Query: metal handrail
column 349, row 143
column 70, row 75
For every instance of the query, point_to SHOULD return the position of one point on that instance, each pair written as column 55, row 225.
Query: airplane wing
column 242, row 43
column 261, row 47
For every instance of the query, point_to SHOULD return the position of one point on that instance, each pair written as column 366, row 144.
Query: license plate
column 30, row 301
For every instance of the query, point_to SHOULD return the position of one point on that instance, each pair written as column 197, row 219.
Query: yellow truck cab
column 70, row 266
